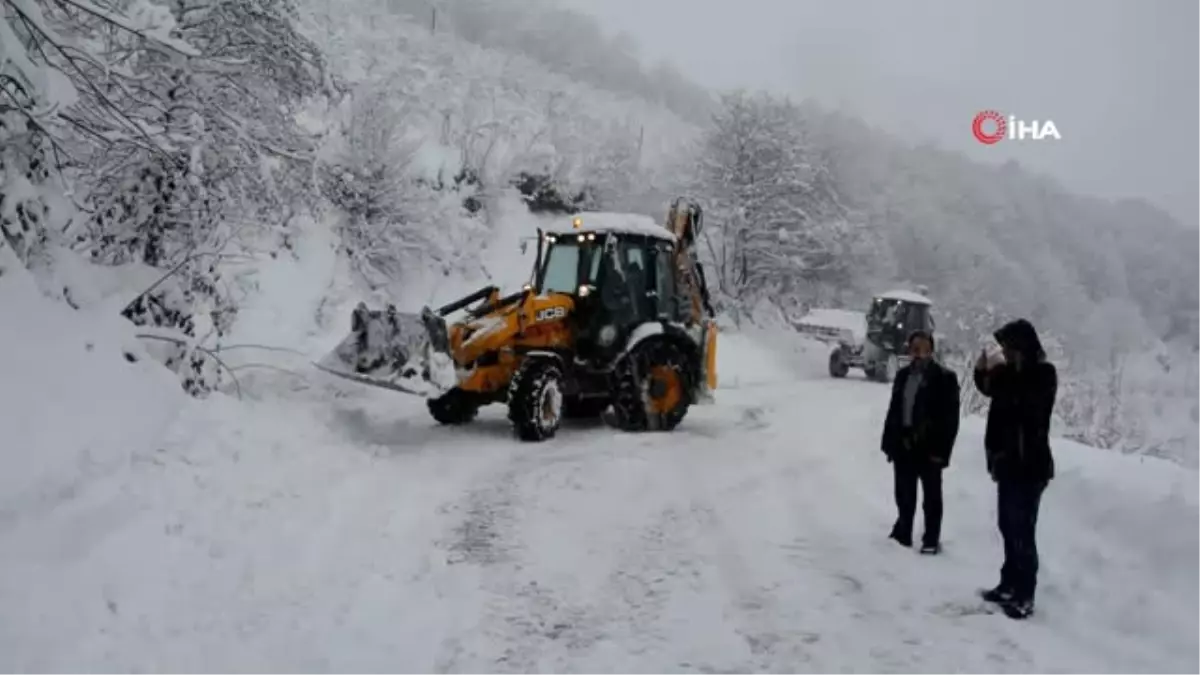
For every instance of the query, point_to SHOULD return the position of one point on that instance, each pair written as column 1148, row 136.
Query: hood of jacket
column 1021, row 336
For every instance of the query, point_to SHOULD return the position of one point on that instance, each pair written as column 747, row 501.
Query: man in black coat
column 1022, row 391
column 918, row 437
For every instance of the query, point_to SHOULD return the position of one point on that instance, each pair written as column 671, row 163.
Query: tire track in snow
column 523, row 620
column 666, row 558
column 537, row 616
column 752, row 608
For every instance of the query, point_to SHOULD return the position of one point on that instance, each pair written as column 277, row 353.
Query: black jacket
column 934, row 417
column 1017, row 439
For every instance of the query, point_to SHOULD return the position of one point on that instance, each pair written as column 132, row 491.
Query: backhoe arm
column 685, row 220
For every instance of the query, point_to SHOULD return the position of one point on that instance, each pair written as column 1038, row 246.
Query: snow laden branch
column 190, row 345
column 777, row 227
column 67, row 66
column 397, row 215
column 176, row 125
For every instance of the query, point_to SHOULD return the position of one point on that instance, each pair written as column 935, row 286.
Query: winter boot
column 1017, row 609
column 931, row 549
column 901, row 538
column 998, row 595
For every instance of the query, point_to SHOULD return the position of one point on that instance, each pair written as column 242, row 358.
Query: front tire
column 652, row 388
column 455, row 407
column 535, row 401
column 837, row 364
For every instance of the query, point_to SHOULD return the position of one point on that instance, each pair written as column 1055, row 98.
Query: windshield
column 569, row 264
column 561, row 271
column 885, row 312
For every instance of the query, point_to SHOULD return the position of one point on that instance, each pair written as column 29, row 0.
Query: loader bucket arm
column 686, row 220
column 497, row 304
column 485, row 293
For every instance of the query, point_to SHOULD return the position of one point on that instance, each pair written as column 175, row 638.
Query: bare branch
column 113, row 22
column 190, row 344
column 120, row 116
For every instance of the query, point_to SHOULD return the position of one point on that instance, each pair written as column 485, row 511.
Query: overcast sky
column 1119, row 78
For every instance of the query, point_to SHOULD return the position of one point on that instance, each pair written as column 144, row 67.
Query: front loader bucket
column 399, row 351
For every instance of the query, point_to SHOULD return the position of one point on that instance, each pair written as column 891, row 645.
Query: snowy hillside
column 315, row 525
column 465, row 106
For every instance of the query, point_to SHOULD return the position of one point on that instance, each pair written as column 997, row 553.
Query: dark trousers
column 908, row 473
column 1017, row 509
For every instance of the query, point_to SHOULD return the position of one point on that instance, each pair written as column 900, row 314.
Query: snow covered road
column 321, row 526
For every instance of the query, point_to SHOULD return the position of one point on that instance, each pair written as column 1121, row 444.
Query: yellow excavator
column 616, row 321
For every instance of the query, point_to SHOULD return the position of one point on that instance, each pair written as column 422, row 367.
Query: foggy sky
column 1119, row 78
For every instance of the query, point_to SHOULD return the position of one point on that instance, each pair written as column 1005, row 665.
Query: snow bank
column 751, row 357
column 80, row 397
column 288, row 303
column 1127, row 475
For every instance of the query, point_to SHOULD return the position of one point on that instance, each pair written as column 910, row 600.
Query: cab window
column 668, row 303
column 561, row 270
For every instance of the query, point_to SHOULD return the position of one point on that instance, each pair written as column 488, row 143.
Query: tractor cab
column 619, row 275
column 890, row 319
column 893, row 316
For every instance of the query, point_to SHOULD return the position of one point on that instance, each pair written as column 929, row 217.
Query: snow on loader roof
column 906, row 296
column 619, row 223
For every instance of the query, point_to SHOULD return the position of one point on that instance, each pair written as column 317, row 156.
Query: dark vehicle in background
column 880, row 350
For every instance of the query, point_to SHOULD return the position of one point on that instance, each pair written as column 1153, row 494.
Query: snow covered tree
column 174, row 128
column 43, row 94
column 227, row 160
column 394, row 217
column 231, row 154
column 775, row 227
column 611, row 173
column 26, row 187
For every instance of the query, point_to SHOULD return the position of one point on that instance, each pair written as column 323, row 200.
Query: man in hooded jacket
column 1022, row 390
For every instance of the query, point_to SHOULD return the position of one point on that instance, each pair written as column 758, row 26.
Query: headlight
column 584, row 290
column 607, row 335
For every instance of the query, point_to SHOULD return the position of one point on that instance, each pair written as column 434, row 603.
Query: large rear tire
column 535, row 401
column 455, row 407
column 651, row 387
